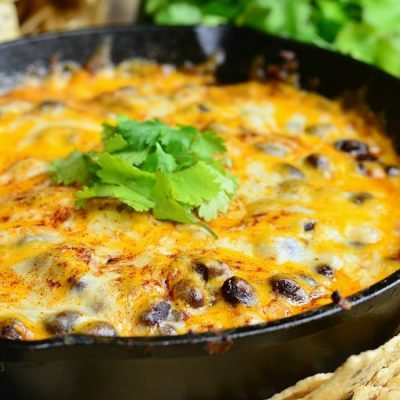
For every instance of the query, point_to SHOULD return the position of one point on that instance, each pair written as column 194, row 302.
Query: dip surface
column 316, row 211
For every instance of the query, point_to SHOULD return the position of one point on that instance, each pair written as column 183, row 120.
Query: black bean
column 191, row 294
column 356, row 243
column 210, row 268
column 97, row 328
column 158, row 312
column 317, row 161
column 353, row 147
column 341, row 301
column 51, row 105
column 309, row 226
column 289, row 288
column 236, row 290
column 325, row 270
column 78, row 285
column 203, row 108
column 13, row 329
column 273, row 149
column 392, row 170
column 202, row 270
column 62, row 323
column 360, row 197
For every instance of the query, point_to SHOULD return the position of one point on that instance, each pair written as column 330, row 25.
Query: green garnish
column 368, row 30
column 149, row 165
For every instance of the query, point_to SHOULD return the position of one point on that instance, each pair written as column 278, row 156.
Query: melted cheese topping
column 310, row 226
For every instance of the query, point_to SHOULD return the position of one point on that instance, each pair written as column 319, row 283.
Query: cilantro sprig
column 176, row 172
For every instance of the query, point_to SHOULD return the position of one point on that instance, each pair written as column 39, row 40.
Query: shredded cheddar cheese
column 316, row 210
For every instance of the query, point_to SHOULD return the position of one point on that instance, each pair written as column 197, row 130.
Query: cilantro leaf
column 166, row 207
column 112, row 140
column 76, row 168
column 210, row 209
column 387, row 55
column 159, row 160
column 357, row 39
column 384, row 15
column 133, row 157
column 125, row 194
column 172, row 171
column 178, row 141
column 227, row 181
column 116, row 170
column 208, row 144
column 139, row 135
column 179, row 14
column 195, row 184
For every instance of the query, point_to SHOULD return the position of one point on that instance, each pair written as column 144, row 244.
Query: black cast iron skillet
column 245, row 363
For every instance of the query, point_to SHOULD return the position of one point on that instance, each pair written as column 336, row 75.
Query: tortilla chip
column 9, row 27
column 372, row 375
column 302, row 388
column 378, row 369
column 375, row 393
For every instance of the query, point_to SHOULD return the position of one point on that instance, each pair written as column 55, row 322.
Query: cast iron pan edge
column 196, row 344
column 191, row 344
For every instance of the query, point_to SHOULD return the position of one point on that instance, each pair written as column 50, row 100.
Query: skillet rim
column 288, row 324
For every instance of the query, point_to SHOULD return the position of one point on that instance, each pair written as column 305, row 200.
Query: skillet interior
column 335, row 74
